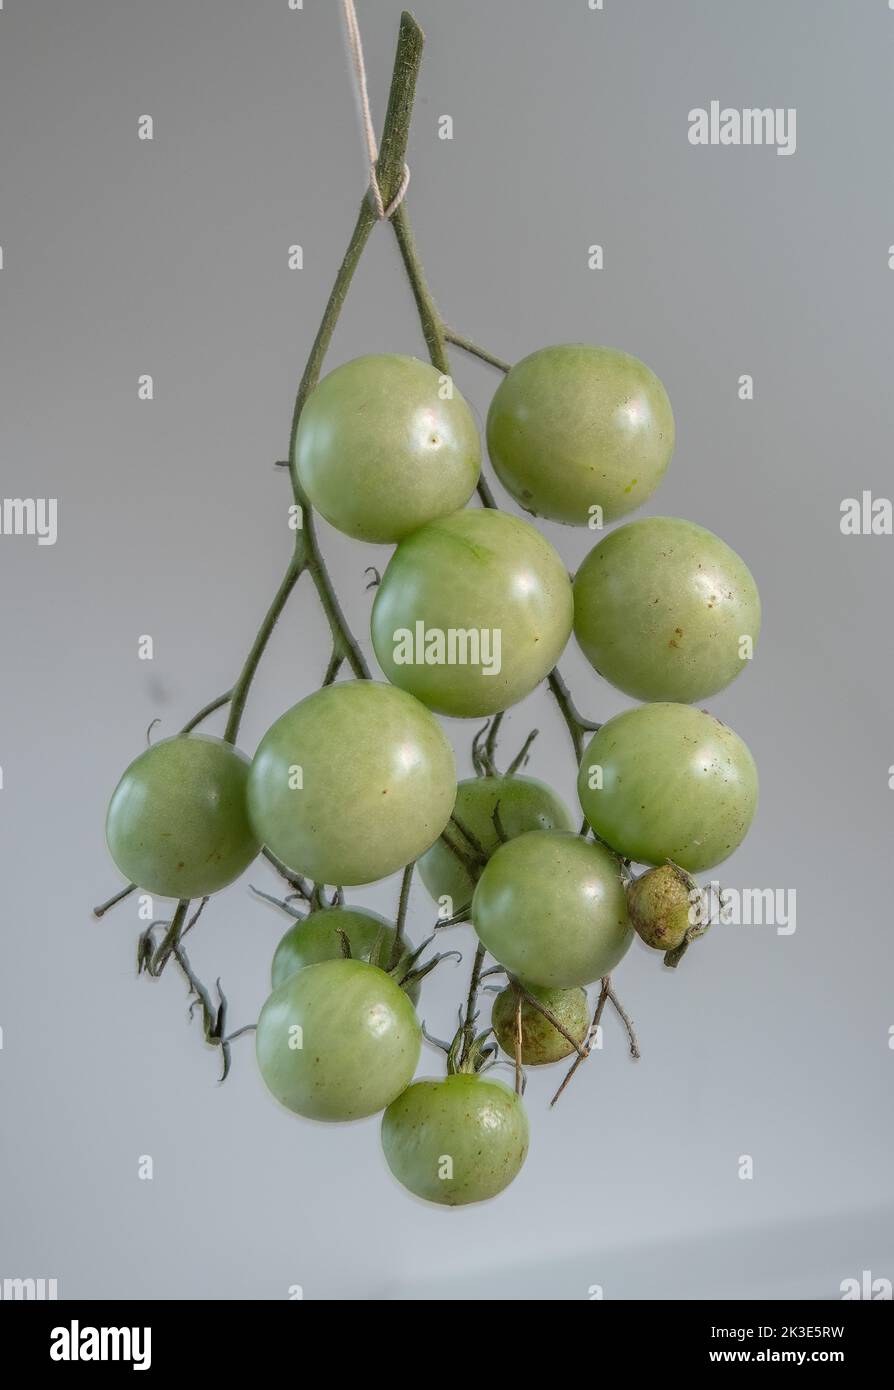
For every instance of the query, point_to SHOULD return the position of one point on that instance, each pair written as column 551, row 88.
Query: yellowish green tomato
column 177, row 823
column 472, row 612
column 667, row 781
column 456, row 1141
column 659, row 903
column 352, row 783
column 338, row 1040
column 525, row 804
column 551, row 908
column 541, row 1042
column 316, row 938
column 665, row 610
column 573, row 427
column 382, row 448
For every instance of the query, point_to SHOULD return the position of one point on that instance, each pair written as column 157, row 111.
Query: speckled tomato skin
column 525, row 804
column 660, row 609
column 360, row 1041
column 551, row 908
column 676, row 784
column 177, row 823
column 541, row 1043
column 477, row 569
column 659, row 906
column 477, row 1123
column 379, row 782
column 572, row 426
column 378, row 451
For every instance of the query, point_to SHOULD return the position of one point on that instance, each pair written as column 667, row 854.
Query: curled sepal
column 480, row 1054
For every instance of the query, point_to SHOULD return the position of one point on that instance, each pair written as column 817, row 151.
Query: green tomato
column 659, row 904
column 379, row 452
column 661, row 607
column 316, row 938
column 669, row 782
column 472, row 612
column 541, row 1043
column 574, row 427
column 352, row 783
column 456, row 1141
column 550, row 907
column 525, row 804
column 177, row 823
column 338, row 1040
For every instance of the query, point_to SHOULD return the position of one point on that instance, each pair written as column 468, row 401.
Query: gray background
column 124, row 257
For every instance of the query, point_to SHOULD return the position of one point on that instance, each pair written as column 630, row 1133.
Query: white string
column 369, row 132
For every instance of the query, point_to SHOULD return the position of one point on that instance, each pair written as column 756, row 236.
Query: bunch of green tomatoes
column 358, row 779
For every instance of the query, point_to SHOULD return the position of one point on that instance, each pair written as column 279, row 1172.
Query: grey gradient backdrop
column 122, row 257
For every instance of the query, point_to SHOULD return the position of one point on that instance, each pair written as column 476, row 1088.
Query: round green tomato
column 379, row 452
column 472, row 612
column 338, row 1040
column 525, row 804
column 575, row 427
column 661, row 608
column 456, row 1141
column 550, row 906
column 659, row 903
column 316, row 938
column 541, row 1043
column 177, row 823
column 669, row 782
column 352, row 783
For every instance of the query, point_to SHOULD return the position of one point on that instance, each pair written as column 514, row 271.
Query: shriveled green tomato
column 472, row 612
column 541, row 1042
column 352, row 783
column 550, row 906
column 456, row 1141
column 659, row 903
column 525, row 804
column 380, row 452
column 668, row 781
column 665, row 610
column 573, row 427
column 338, row 1040
column 316, row 938
column 177, row 823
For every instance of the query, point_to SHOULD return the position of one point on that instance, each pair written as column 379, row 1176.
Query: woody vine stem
column 307, row 559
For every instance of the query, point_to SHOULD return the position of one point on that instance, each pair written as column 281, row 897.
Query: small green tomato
column 338, row 1040
column 456, row 1141
column 659, row 903
column 541, row 1043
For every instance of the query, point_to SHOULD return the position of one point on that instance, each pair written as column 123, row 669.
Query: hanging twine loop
column 369, row 133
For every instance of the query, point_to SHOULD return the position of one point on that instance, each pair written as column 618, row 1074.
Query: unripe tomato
column 456, row 1141
column 380, row 451
column 525, row 804
column 541, row 1043
column 316, row 938
column 472, row 612
column 668, row 781
column 659, row 904
column 352, row 783
column 573, row 427
column 338, row 1040
column 550, row 906
column 665, row 610
column 177, row 823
